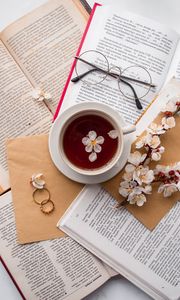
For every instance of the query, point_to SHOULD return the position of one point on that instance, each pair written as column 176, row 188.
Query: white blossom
column 93, row 144
column 152, row 141
column 137, row 195
column 168, row 189
column 156, row 153
column 139, row 200
column 168, row 122
column 143, row 175
column 134, row 193
column 167, row 169
column 125, row 188
column 155, row 129
column 171, row 105
column 39, row 95
column 136, row 158
column 141, row 142
column 38, row 181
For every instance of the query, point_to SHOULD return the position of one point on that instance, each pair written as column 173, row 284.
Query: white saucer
column 67, row 171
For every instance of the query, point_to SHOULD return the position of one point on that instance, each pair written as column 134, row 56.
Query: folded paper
column 27, row 156
column 156, row 206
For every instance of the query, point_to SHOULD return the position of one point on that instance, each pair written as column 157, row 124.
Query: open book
column 149, row 259
column 35, row 51
column 125, row 39
column 55, row 269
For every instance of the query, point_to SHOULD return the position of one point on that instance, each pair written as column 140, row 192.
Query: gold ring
column 47, row 206
column 41, row 191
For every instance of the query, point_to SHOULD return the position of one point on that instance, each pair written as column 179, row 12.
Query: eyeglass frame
column 119, row 77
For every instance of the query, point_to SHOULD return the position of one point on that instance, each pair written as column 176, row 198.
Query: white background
column 164, row 11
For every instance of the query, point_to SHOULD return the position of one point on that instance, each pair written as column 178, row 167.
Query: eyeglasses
column 134, row 82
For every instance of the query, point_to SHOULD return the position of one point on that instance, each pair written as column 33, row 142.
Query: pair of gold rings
column 42, row 197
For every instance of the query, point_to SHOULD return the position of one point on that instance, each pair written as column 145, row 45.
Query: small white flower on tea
column 93, row 144
column 39, row 95
column 37, row 181
column 113, row 134
column 168, row 122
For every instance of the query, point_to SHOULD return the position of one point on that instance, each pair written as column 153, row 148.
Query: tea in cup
column 90, row 138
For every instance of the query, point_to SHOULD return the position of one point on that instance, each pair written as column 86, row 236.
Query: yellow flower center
column 93, row 143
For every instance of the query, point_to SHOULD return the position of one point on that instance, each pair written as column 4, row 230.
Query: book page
column 149, row 259
column 174, row 70
column 126, row 40
column 172, row 89
column 55, row 269
column 44, row 43
column 20, row 113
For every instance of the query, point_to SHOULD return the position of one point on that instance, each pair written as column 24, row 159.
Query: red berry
column 176, row 179
column 178, row 103
column 161, row 174
column 168, row 113
column 171, row 173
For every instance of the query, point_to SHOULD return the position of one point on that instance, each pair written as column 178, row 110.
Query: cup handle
column 129, row 129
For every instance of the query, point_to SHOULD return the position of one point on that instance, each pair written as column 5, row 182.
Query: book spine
column 74, row 62
column 14, row 281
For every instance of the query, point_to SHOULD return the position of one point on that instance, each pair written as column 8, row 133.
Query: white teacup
column 86, row 109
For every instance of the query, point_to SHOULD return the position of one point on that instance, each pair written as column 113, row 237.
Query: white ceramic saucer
column 67, row 171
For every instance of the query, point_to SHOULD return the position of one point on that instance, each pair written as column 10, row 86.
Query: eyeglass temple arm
column 79, row 77
column 110, row 74
column 138, row 103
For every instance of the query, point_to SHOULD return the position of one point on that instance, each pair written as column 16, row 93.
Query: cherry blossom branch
column 138, row 178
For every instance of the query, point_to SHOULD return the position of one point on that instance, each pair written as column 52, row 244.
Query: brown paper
column 156, row 206
column 26, row 156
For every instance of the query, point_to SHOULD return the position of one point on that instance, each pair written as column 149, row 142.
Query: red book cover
column 74, row 62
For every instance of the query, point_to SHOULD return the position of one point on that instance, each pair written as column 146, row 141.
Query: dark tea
column 90, row 141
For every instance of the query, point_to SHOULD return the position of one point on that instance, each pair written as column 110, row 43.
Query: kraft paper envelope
column 26, row 156
column 156, row 206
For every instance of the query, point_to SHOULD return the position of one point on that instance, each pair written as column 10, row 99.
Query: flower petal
column 89, row 148
column 85, row 141
column 156, row 156
column 113, row 134
column 92, row 156
column 36, row 93
column 38, row 181
column 147, row 189
column 141, row 200
column 123, row 192
column 100, row 140
column 154, row 142
column 92, row 135
column 47, row 96
column 97, row 148
column 135, row 158
column 129, row 168
column 140, row 143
